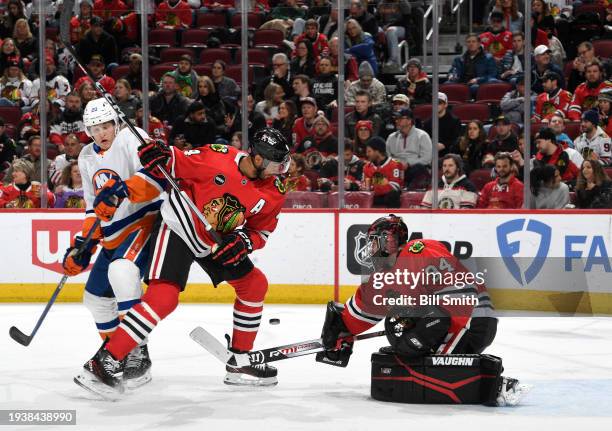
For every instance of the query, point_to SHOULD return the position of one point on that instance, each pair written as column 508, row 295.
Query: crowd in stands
column 294, row 59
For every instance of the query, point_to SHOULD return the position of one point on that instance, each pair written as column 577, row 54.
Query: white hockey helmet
column 98, row 111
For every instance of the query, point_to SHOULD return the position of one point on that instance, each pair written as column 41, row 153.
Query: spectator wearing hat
column 593, row 143
column 540, row 66
column 194, row 129
column 505, row 191
column 504, row 139
column 363, row 111
column 449, row 126
column 411, row 146
column 551, row 153
column 321, row 139
column 97, row 68
column 455, row 190
column 21, row 192
column 15, row 88
column 585, row 96
column 513, row 103
column 134, row 75
column 186, row 77
column 366, row 82
column 79, row 24
column 57, row 85
column 604, row 105
column 475, row 67
column 173, row 15
column 98, row 41
column 69, row 122
column 554, row 99
column 415, row 84
column 383, row 175
column 497, row 40
column 399, row 101
column 363, row 133
column 512, row 65
column 325, row 86
column 107, row 9
column 168, row 104
column 304, row 125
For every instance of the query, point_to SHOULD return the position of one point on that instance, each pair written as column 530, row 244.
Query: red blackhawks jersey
column 210, row 177
column 496, row 44
column 12, row 196
column 389, row 169
column 585, row 98
column 363, row 310
column 548, row 105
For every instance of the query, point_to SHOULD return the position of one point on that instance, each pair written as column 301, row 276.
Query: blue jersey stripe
column 120, row 224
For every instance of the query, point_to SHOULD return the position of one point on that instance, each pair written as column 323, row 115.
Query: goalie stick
column 264, row 356
column 24, row 339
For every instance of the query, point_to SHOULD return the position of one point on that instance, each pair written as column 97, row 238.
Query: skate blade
column 137, row 382
column 89, row 382
column 239, row 379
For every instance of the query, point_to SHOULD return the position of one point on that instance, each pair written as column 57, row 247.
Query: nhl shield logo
column 360, row 251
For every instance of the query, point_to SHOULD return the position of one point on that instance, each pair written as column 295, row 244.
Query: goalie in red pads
column 424, row 314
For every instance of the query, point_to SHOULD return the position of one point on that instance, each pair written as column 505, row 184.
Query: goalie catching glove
column 109, row 198
column 153, row 154
column 234, row 248
column 74, row 263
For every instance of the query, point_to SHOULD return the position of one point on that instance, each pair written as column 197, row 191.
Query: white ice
column 568, row 359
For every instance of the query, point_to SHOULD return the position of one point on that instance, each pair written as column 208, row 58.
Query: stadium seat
column 120, row 71
column 210, row 20
column 572, row 196
column 347, row 110
column 353, row 200
column 52, row 32
column 411, row 199
column 567, row 69
column 209, row 56
column 162, row 38
column 591, row 8
column 194, row 38
column 608, row 171
column 493, row 92
column 572, row 129
column 255, row 56
column 172, row 55
column 158, row 70
column 480, row 177
column 459, row 93
column 11, row 115
column 203, row 69
column 305, row 200
column 235, row 72
column 268, row 39
column 603, row 48
column 422, row 112
column 472, row 111
column 253, row 19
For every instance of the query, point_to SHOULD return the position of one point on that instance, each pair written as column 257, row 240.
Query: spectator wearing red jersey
column 34, row 157
column 107, row 9
column 23, row 191
column 80, row 23
column 585, row 96
column 173, row 14
column 551, row 153
column 296, row 181
column 554, row 99
column 322, row 139
column 497, row 40
column 70, row 121
column 304, row 125
column 320, row 46
column 455, row 190
column 506, row 191
column 383, row 175
column 96, row 67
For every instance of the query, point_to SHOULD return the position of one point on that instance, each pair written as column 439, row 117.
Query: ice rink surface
column 568, row 359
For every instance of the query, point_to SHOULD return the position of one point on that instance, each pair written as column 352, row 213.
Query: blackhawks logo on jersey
column 224, row 213
column 219, row 148
column 416, row 247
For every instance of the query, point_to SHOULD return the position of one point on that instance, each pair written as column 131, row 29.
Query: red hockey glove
column 234, row 249
column 153, row 154
column 109, row 198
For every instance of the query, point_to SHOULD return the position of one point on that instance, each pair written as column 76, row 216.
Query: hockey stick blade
column 211, row 344
column 19, row 336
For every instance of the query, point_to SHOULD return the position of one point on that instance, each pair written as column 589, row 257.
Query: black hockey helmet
column 270, row 144
column 386, row 235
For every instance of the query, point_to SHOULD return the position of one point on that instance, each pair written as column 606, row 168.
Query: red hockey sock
column 158, row 302
column 248, row 306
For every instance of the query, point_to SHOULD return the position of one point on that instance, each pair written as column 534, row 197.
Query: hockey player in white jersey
column 114, row 284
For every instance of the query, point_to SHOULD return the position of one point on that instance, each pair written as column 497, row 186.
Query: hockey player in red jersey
column 455, row 325
column 240, row 196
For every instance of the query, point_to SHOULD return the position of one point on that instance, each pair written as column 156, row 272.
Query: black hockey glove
column 235, row 247
column 153, row 154
column 338, row 351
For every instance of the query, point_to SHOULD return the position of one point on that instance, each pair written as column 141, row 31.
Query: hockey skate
column 102, row 375
column 511, row 392
column 249, row 375
column 137, row 368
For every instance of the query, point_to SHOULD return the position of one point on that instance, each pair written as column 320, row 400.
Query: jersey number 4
column 258, row 206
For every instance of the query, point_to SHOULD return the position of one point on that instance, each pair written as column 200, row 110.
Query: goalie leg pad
column 436, row 379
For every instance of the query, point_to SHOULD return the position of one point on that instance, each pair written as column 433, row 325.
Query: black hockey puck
column 274, row 321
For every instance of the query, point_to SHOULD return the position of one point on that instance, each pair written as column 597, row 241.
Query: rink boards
column 549, row 261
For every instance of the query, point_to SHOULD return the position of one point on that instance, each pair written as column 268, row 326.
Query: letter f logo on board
column 510, row 249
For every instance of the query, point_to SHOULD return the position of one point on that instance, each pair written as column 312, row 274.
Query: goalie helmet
column 386, row 235
column 270, row 144
column 98, row 111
